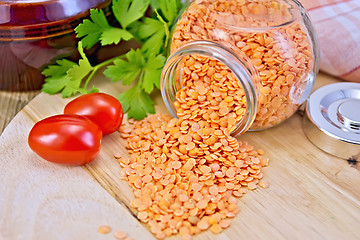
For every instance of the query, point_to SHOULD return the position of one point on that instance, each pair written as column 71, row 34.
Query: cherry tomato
column 101, row 108
column 66, row 139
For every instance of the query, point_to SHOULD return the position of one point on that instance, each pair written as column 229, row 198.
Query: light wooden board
column 312, row 195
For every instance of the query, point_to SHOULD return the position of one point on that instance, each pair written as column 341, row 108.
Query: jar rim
column 238, row 66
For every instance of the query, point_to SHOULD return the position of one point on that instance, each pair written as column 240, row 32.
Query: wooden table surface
column 312, row 195
column 11, row 103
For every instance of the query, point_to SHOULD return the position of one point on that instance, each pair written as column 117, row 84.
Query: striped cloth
column 337, row 23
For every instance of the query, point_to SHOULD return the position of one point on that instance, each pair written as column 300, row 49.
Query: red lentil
column 104, row 229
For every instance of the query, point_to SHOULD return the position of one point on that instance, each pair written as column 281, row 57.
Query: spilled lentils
column 186, row 175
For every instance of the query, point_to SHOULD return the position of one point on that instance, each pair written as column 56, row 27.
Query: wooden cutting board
column 312, row 195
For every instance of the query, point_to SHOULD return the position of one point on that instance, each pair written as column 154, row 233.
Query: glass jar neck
column 243, row 71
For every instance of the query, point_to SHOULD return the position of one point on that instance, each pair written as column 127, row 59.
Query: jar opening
column 172, row 82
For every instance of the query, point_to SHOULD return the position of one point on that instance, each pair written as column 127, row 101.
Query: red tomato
column 101, row 108
column 67, row 139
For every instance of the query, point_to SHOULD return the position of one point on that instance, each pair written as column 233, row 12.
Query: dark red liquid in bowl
column 34, row 33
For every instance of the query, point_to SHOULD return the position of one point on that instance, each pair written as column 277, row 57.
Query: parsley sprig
column 138, row 67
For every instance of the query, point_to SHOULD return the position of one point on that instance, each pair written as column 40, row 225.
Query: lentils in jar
column 273, row 39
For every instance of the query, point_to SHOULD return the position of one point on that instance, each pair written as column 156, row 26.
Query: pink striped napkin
column 337, row 23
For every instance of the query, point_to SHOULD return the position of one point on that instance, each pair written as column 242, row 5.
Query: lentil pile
column 186, row 173
column 254, row 29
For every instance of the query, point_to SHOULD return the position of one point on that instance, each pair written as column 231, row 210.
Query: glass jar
column 34, row 33
column 247, row 62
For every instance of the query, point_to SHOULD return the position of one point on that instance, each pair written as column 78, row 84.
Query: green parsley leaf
column 154, row 4
column 114, row 36
column 58, row 69
column 57, row 79
column 72, row 87
column 128, row 70
column 148, row 70
column 153, row 32
column 81, row 70
column 62, row 84
column 129, row 11
column 152, row 72
column 98, row 29
column 55, row 84
column 66, row 77
column 92, row 29
column 136, row 103
column 169, row 8
column 149, row 27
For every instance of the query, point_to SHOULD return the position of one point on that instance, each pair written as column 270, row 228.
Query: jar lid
column 23, row 19
column 332, row 119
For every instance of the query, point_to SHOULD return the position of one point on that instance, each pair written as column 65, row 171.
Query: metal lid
column 332, row 119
